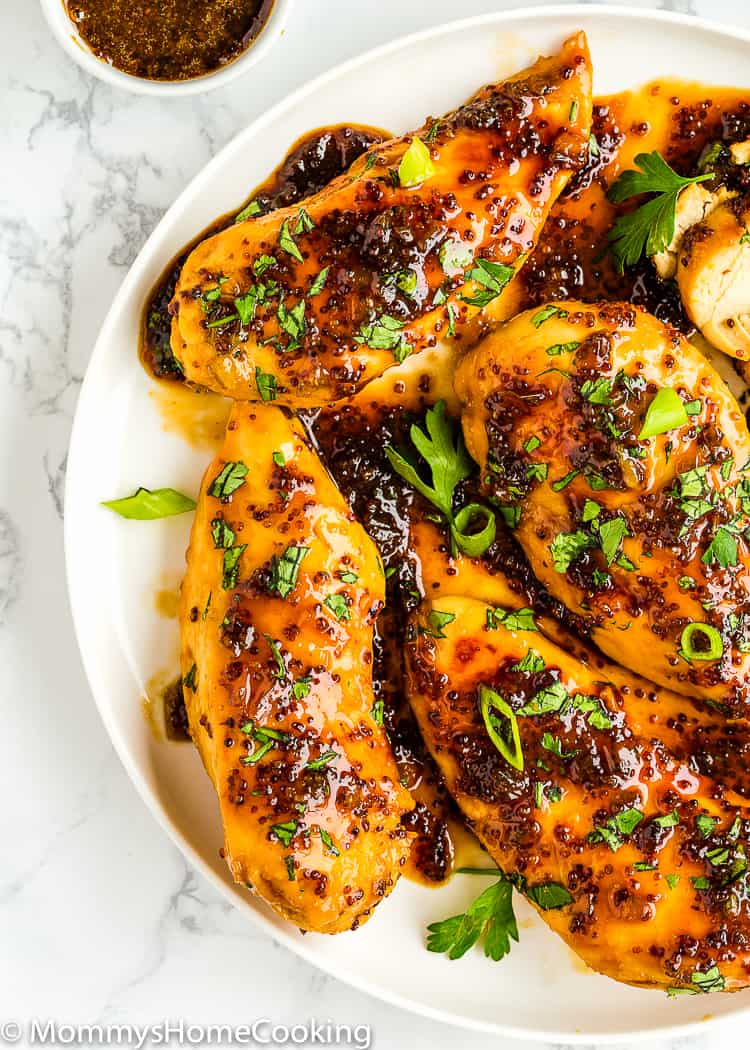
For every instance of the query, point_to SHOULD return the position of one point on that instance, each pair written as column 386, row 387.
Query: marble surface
column 101, row 919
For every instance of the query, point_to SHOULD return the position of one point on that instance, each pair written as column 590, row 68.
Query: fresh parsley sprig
column 650, row 228
column 442, row 447
column 490, row 916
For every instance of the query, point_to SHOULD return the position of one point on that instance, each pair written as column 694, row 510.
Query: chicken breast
column 621, row 458
column 278, row 604
column 713, row 275
column 583, row 785
column 304, row 305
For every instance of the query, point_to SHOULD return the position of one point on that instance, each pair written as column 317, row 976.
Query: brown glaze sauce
column 571, row 261
column 168, row 39
column 312, row 162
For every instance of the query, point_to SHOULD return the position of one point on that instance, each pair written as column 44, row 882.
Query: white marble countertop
column 101, row 919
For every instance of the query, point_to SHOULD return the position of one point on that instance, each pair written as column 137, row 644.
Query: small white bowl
column 70, row 40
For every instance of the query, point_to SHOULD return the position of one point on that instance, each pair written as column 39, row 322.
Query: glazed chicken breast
column 621, row 459
column 583, row 784
column 304, row 305
column 278, row 605
column 709, row 255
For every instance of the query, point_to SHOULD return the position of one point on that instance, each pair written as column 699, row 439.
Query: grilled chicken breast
column 590, row 796
column 304, row 305
column 622, row 457
column 278, row 604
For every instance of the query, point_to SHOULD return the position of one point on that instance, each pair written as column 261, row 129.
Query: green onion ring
column 473, row 543
column 715, row 644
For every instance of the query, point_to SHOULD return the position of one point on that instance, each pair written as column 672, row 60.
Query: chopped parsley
column 385, row 333
column 287, row 242
column 223, row 536
column 548, row 895
column 231, row 476
column 319, row 283
column 267, row 385
column 546, row 313
column 511, row 619
column 322, row 761
column 567, row 546
column 230, row 567
column 338, row 606
column 266, row 738
column 285, row 832
column 285, row 570
column 436, row 621
column 493, row 278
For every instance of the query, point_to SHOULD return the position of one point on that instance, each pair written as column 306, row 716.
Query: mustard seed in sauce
column 168, row 39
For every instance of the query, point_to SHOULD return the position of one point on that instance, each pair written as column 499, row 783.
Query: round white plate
column 540, row 990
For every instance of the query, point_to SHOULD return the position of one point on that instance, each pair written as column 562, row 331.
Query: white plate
column 541, row 990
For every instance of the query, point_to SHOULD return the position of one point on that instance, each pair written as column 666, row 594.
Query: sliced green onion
column 666, row 412
column 416, row 164
column 148, row 504
column 473, row 544
column 492, row 705
column 710, row 634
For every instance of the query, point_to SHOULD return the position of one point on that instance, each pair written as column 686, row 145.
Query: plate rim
column 257, row 916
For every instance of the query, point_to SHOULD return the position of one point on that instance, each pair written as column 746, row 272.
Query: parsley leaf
column 611, row 535
column 491, row 915
column 650, row 228
column 444, row 450
column 285, row 832
column 546, row 313
column 319, row 283
column 223, row 536
column 190, row 681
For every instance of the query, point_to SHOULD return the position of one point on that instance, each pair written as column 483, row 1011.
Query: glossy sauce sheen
column 304, row 306
column 311, row 163
column 168, row 39
column 676, row 118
